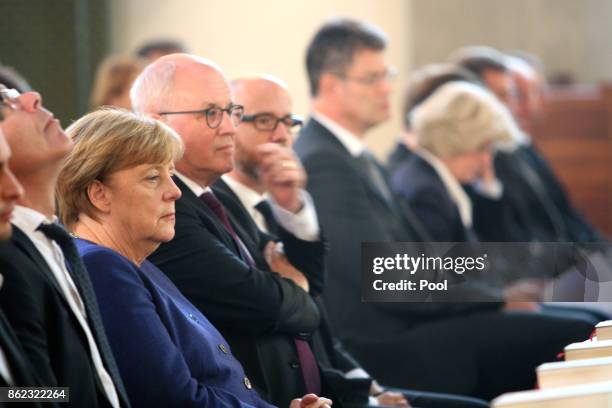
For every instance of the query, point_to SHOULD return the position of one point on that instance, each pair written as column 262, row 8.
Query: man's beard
column 249, row 168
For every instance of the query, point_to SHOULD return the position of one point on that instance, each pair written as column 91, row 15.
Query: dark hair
column 427, row 80
column 335, row 44
column 478, row 59
column 13, row 80
column 165, row 46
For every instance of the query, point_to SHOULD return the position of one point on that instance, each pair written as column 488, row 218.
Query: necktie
column 217, row 208
column 308, row 363
column 537, row 186
column 265, row 210
column 374, row 174
column 81, row 279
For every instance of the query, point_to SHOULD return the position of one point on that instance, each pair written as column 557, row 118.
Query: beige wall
column 267, row 36
column 569, row 35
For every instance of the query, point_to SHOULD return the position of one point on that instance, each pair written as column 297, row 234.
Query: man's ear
column 327, row 83
column 99, row 196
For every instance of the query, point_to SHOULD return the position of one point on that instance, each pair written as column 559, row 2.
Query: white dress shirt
column 303, row 224
column 454, row 189
column 28, row 220
column 300, row 224
column 5, row 371
column 192, row 185
column 352, row 143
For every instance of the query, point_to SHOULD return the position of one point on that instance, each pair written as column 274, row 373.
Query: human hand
column 394, row 399
column 487, row 173
column 525, row 290
column 311, row 401
column 282, row 174
column 523, row 306
column 280, row 264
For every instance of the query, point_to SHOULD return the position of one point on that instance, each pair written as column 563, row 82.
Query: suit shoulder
column 415, row 176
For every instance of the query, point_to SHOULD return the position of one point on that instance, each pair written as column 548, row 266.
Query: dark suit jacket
column 397, row 157
column 351, row 211
column 417, row 182
column 538, row 207
column 577, row 228
column 257, row 311
column 22, row 372
column 46, row 326
column 333, row 359
column 169, row 354
column 19, row 366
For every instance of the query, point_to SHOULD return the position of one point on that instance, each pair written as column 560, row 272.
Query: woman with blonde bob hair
column 456, row 130
column 116, row 195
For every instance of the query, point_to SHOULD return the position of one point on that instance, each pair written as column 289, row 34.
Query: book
column 598, row 395
column 576, row 372
column 588, row 349
column 604, row 330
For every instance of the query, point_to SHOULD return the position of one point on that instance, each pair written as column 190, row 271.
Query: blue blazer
column 168, row 353
column 417, row 182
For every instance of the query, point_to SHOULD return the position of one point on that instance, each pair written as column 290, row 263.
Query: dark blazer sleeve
column 344, row 212
column 158, row 374
column 306, row 256
column 231, row 293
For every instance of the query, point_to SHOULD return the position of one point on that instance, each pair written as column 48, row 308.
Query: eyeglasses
column 9, row 97
column 214, row 114
column 371, row 79
column 267, row 122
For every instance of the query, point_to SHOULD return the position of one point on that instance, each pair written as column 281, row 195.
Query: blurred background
column 58, row 44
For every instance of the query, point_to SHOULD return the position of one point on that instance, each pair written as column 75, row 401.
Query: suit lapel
column 207, row 216
column 316, row 130
column 244, row 226
column 22, row 241
column 27, row 246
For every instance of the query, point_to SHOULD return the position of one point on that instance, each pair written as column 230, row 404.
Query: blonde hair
column 114, row 76
column 107, row 141
column 461, row 117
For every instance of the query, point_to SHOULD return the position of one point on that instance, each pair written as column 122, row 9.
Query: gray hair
column 152, row 89
column 461, row 117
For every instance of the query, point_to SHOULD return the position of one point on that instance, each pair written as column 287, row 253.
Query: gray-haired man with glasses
column 218, row 258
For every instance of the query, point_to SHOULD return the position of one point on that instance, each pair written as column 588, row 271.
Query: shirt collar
column 351, row 142
column 192, row 185
column 454, row 189
column 28, row 219
column 249, row 197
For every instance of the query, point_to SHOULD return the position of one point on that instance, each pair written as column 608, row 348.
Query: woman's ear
column 99, row 196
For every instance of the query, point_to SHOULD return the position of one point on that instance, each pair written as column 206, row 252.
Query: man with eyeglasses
column 468, row 348
column 46, row 293
column 223, row 264
column 263, row 159
column 270, row 123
